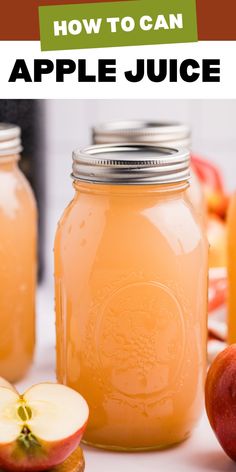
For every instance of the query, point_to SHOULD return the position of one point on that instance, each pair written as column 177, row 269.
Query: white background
column 67, row 125
column 126, row 59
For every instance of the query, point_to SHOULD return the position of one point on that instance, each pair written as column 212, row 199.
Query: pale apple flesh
column 40, row 429
column 5, row 383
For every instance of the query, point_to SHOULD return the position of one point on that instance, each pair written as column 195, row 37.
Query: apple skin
column 221, row 399
column 213, row 185
column 217, row 202
column 15, row 458
column 217, row 237
column 5, row 383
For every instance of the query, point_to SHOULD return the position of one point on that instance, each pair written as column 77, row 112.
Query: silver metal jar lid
column 10, row 139
column 131, row 164
column 147, row 132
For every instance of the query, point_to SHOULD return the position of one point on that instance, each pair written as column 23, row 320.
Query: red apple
column 213, row 185
column 217, row 237
column 217, row 202
column 41, row 428
column 208, row 173
column 218, row 289
column 221, row 399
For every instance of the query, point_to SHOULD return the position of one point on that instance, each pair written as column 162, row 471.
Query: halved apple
column 5, row 383
column 41, row 428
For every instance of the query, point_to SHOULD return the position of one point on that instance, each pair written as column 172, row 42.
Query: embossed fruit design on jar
column 18, row 266
column 131, row 296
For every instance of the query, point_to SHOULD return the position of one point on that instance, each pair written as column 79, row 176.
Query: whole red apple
column 221, row 399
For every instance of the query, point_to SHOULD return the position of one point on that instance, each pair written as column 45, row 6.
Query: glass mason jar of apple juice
column 159, row 133
column 130, row 310
column 18, row 260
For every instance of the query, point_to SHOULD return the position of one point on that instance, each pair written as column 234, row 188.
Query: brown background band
column 19, row 18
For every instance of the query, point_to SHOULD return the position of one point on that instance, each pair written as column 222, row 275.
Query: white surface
column 126, row 59
column 200, row 453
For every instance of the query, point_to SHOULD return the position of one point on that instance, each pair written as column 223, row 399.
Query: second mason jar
column 157, row 133
column 18, row 267
column 131, row 296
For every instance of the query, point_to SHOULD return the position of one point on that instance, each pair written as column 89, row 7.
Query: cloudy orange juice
column 131, row 296
column 17, row 260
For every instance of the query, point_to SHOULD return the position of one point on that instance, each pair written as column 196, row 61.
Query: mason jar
column 18, row 227
column 131, row 313
column 159, row 133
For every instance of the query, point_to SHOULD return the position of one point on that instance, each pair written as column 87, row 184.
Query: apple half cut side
column 41, row 428
column 6, row 384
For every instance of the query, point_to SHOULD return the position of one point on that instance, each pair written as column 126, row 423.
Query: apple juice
column 159, row 133
column 131, row 265
column 18, row 224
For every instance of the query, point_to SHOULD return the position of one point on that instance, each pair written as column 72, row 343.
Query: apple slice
column 74, row 463
column 41, row 428
column 6, row 384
